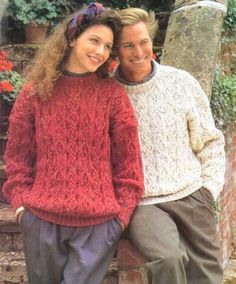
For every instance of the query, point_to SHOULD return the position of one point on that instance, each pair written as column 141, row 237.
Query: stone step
column 12, row 260
column 10, row 234
column 128, row 266
column 7, row 220
column 13, row 269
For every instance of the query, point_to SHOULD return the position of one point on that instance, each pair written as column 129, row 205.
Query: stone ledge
column 7, row 220
column 129, row 257
column 131, row 264
column 21, row 51
column 20, row 54
column 13, row 269
column 127, row 267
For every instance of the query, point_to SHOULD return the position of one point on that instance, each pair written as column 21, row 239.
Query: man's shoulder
column 173, row 70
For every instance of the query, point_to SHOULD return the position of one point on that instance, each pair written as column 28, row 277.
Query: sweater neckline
column 141, row 86
column 131, row 83
column 72, row 74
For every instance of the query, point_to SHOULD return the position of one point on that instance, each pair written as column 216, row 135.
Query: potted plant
column 10, row 84
column 34, row 15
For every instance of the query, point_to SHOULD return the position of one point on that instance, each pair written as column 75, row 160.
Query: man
column 183, row 161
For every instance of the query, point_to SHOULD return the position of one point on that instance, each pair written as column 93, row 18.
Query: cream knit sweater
column 182, row 149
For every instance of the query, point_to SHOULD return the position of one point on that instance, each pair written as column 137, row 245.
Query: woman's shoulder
column 110, row 85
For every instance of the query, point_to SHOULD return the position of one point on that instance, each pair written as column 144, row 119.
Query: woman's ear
column 72, row 43
column 114, row 52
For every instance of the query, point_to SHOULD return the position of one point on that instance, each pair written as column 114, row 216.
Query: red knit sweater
column 74, row 159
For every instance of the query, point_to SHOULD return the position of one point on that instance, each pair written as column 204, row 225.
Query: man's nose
column 138, row 51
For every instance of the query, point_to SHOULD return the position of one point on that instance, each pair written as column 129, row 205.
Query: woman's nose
column 100, row 49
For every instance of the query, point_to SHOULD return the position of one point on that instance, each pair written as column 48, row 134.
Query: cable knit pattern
column 74, row 159
column 181, row 148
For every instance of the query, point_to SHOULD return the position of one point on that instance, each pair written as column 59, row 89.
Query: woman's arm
column 20, row 152
column 125, row 154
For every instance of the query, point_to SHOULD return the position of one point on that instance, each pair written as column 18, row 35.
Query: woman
column 72, row 160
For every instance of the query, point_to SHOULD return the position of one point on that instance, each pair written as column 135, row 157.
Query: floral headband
column 91, row 12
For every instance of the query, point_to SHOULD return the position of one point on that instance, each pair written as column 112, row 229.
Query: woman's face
column 90, row 50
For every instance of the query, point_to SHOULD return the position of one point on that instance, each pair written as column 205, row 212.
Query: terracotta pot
column 35, row 33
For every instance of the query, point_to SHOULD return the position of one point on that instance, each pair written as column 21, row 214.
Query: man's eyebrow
column 127, row 42
column 146, row 38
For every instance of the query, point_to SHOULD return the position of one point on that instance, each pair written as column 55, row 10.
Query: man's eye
column 146, row 42
column 128, row 46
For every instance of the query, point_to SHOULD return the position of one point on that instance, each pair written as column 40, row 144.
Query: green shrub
column 223, row 100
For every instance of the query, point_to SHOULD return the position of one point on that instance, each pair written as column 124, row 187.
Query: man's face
column 135, row 52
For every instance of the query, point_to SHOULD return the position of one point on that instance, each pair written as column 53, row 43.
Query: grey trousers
column 64, row 255
column 179, row 239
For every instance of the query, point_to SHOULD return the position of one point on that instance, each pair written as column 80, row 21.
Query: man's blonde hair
column 131, row 16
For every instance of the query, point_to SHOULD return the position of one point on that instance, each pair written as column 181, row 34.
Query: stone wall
column 192, row 43
column 193, row 39
column 3, row 21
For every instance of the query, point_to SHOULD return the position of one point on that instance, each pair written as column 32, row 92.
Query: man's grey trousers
column 179, row 239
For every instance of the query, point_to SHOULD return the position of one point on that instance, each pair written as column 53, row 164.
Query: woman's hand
column 121, row 224
column 18, row 214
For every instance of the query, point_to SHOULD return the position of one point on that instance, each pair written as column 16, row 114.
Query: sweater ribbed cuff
column 125, row 215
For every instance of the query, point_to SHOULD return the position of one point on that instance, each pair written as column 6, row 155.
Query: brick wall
column 227, row 215
column 227, row 222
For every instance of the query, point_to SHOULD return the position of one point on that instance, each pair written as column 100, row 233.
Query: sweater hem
column 170, row 197
column 70, row 221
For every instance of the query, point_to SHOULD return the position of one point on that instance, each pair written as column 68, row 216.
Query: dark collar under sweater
column 130, row 83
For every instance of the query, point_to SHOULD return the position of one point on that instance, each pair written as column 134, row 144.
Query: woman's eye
column 94, row 40
column 108, row 47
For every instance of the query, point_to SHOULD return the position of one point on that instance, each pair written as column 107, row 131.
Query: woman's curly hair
column 47, row 65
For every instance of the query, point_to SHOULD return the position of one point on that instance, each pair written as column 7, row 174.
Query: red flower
column 112, row 66
column 5, row 86
column 3, row 54
column 5, row 65
column 156, row 57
